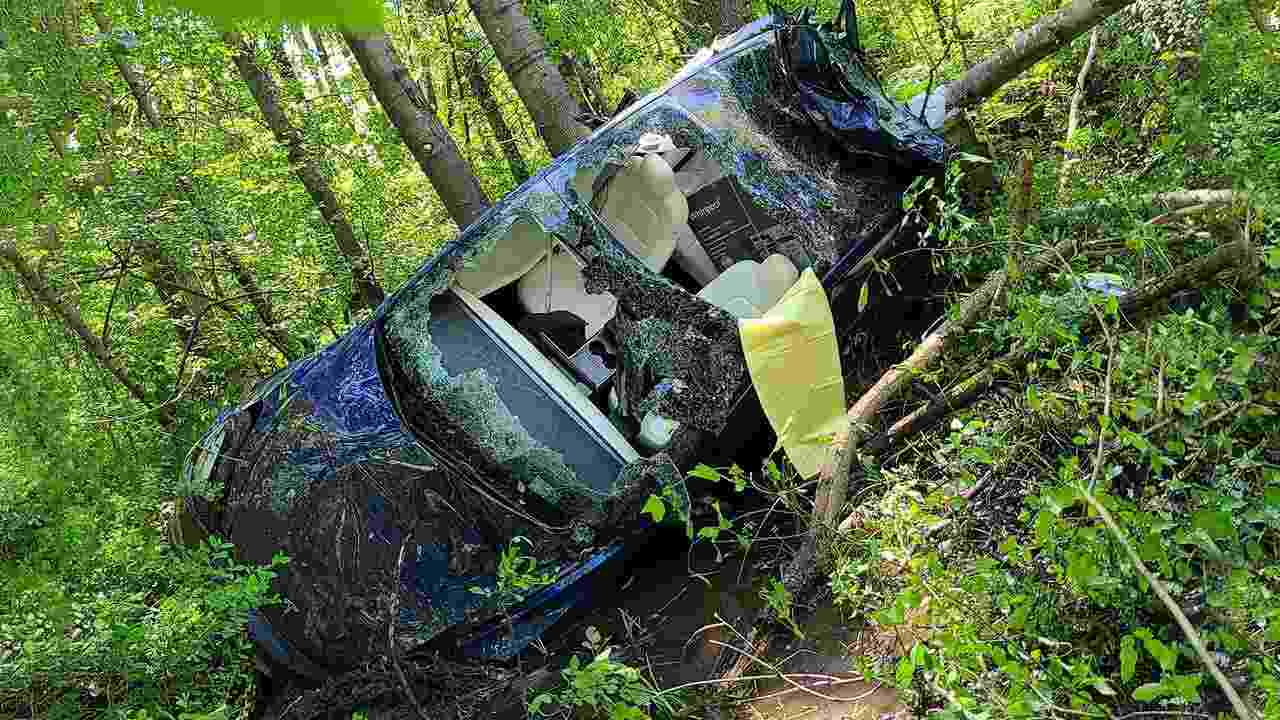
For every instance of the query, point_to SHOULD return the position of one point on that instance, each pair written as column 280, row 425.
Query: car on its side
column 457, row 465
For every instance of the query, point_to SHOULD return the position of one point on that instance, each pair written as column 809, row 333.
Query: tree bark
column 497, row 123
column 1027, row 48
column 523, row 55
column 1266, row 20
column 436, row 152
column 132, row 76
column 1073, row 118
column 308, row 170
column 259, row 300
column 179, row 290
column 702, row 22
column 584, row 86
column 833, row 479
column 733, row 15
column 36, row 285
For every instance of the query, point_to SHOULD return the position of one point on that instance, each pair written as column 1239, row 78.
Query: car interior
column 530, row 291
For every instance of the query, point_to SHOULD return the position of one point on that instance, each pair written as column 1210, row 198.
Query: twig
column 823, row 683
column 1073, row 119
column 391, row 633
column 741, row 679
column 1242, row 710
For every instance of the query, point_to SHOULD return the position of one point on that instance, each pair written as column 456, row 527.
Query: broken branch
column 1073, row 119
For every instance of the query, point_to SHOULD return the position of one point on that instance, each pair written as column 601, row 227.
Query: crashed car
column 457, row 466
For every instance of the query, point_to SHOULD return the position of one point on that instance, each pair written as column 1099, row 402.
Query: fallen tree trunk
column 1027, row 48
column 1132, row 305
column 1167, row 201
column 833, row 479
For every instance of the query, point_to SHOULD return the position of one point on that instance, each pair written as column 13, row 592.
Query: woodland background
column 188, row 205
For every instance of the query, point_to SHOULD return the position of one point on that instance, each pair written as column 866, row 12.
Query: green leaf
column 358, row 14
column 1217, row 523
column 1128, row 658
column 1103, row 687
column 705, row 472
column 906, row 671
column 655, row 507
column 864, row 295
column 981, row 455
column 1148, row 692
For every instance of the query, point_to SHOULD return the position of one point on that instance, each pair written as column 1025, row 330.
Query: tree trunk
column 1266, row 19
column 702, row 18
column 436, row 152
column 311, row 64
column 36, row 285
column 1027, row 48
column 584, row 84
column 348, row 102
column 307, row 168
column 733, row 15
column 259, row 300
column 294, row 89
column 497, row 123
column 179, row 290
column 523, row 55
column 132, row 77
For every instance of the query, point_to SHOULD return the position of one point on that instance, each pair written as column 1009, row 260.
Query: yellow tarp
column 795, row 367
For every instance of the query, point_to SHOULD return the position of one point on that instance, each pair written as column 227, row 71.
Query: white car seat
column 642, row 207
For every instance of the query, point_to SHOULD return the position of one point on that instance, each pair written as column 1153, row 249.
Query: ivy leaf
column 655, row 507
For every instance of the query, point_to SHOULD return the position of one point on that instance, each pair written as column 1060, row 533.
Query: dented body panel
column 395, row 466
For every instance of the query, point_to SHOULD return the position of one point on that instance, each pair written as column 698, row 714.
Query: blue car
column 459, row 465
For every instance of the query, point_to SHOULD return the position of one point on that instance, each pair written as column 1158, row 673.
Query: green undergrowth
column 973, row 547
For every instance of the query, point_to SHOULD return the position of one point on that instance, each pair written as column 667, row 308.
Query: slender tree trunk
column 702, row 18
column 1027, row 48
column 180, row 291
column 260, row 301
column 1069, row 158
column 348, row 102
column 436, row 152
column 584, row 83
column 36, row 285
column 146, row 103
column 497, row 123
column 291, row 84
column 308, row 170
column 733, row 15
column 310, row 64
column 523, row 55
column 132, row 77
